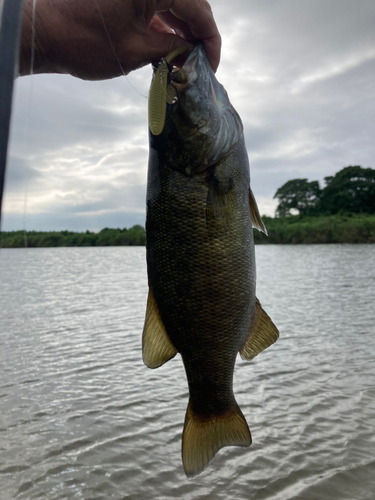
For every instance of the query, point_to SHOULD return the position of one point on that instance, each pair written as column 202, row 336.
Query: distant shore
column 135, row 236
column 346, row 228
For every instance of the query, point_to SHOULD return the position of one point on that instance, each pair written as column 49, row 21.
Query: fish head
column 201, row 125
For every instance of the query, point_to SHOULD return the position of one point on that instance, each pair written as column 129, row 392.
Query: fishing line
column 28, row 114
column 33, row 35
column 114, row 50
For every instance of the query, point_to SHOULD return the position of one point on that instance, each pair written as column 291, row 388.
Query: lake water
column 82, row 417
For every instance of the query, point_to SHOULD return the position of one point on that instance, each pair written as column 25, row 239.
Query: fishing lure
column 161, row 92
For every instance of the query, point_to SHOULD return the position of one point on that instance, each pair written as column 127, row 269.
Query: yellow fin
column 157, row 348
column 256, row 219
column 203, row 437
column 263, row 333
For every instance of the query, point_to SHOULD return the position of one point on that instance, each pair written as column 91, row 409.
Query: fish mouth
column 206, row 102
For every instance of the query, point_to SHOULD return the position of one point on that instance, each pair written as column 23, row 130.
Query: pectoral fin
column 263, row 333
column 256, row 219
column 157, row 348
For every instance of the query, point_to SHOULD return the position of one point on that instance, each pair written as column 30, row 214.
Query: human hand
column 101, row 39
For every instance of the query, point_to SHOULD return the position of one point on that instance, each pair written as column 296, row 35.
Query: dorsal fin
column 256, row 219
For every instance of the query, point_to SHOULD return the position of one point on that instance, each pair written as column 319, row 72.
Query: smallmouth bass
column 200, row 252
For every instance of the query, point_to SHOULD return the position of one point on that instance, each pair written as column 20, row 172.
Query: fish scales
column 203, row 278
column 200, row 260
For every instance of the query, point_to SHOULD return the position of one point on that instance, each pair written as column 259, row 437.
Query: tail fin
column 203, row 437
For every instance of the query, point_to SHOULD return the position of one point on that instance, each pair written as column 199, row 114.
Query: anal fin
column 263, row 333
column 256, row 219
column 157, row 347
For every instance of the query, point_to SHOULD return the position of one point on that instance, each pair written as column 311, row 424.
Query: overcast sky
column 301, row 74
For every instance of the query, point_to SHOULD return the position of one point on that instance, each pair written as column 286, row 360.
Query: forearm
column 99, row 39
column 36, row 48
column 64, row 36
column 54, row 39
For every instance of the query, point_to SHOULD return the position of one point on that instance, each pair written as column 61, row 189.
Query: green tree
column 298, row 194
column 352, row 189
column 137, row 236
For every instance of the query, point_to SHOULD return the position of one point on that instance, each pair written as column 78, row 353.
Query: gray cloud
column 20, row 173
column 300, row 73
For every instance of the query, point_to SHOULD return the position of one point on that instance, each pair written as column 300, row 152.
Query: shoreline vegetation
column 293, row 229
column 342, row 212
column 309, row 229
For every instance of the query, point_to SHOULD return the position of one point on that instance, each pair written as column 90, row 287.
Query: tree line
column 308, row 229
column 351, row 190
column 341, row 212
column 134, row 236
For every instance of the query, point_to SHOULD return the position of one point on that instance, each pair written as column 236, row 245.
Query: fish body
column 200, row 259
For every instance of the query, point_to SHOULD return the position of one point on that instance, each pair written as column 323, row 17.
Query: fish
column 200, row 252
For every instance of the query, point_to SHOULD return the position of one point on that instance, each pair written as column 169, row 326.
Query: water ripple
column 82, row 417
